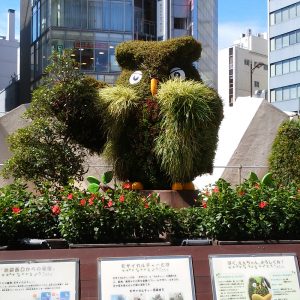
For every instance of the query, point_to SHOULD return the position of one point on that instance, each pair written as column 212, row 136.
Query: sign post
column 255, row 277
column 39, row 280
column 143, row 278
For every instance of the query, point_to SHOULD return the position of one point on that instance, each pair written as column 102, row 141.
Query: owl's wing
column 191, row 115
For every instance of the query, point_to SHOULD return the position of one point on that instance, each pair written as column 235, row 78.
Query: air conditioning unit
column 260, row 94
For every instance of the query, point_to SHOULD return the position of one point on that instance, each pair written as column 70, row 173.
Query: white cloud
column 230, row 31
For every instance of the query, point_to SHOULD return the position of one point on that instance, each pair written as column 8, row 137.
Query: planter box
column 88, row 260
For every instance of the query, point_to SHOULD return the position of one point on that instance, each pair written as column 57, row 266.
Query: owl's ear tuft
column 185, row 49
column 125, row 55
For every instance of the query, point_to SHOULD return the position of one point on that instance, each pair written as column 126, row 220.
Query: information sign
column 255, row 277
column 145, row 278
column 39, row 280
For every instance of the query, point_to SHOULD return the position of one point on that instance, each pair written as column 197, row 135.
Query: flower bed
column 254, row 210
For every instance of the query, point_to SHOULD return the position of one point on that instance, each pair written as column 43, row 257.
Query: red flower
column 16, row 210
column 242, row 193
column 263, row 204
column 70, row 197
column 82, row 202
column 146, row 205
column 91, row 200
column 110, row 203
column 127, row 185
column 257, row 186
column 204, row 204
column 55, row 209
column 122, row 198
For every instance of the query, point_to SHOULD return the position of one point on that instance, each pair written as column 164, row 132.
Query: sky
column 235, row 17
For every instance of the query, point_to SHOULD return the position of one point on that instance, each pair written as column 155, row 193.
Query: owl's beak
column 153, row 86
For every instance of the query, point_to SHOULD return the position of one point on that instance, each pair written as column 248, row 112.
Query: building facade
column 93, row 28
column 9, row 66
column 284, row 54
column 9, row 52
column 243, row 68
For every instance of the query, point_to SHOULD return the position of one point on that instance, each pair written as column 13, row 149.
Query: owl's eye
column 177, row 73
column 135, row 77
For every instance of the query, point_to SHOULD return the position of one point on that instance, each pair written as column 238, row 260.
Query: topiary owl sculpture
column 159, row 122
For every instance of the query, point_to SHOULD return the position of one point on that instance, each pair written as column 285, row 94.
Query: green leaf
column 267, row 179
column 253, row 177
column 92, row 179
column 107, row 177
column 93, row 188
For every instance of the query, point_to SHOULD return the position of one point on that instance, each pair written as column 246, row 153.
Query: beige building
column 243, row 69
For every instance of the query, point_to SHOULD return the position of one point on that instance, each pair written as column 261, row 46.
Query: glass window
column 298, row 64
column 95, row 15
column 38, row 19
column 292, row 11
column 293, row 92
column 246, row 61
column 32, row 64
column 43, row 15
column 117, row 16
column 106, row 15
column 114, row 66
column 278, row 94
column 272, row 44
column 285, row 40
column 293, row 65
column 180, row 23
column 285, row 67
column 277, row 17
column 34, row 24
column 128, row 16
column 278, row 69
column 72, row 13
column 272, row 19
column 298, row 36
column 278, row 42
column 286, row 93
column 87, row 56
column 272, row 72
column 298, row 91
column 101, row 57
column 285, row 14
column 298, row 9
column 293, row 39
column 273, row 99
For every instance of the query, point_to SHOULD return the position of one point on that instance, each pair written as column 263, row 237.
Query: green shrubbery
column 285, row 155
column 254, row 210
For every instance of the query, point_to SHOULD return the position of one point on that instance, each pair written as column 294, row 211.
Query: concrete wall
column 9, row 123
column 255, row 145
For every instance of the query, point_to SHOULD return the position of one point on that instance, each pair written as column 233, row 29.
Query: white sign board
column 39, row 280
column 146, row 278
column 255, row 277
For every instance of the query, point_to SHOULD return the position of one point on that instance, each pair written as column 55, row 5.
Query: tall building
column 284, row 54
column 9, row 52
column 243, row 69
column 93, row 28
column 9, row 48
